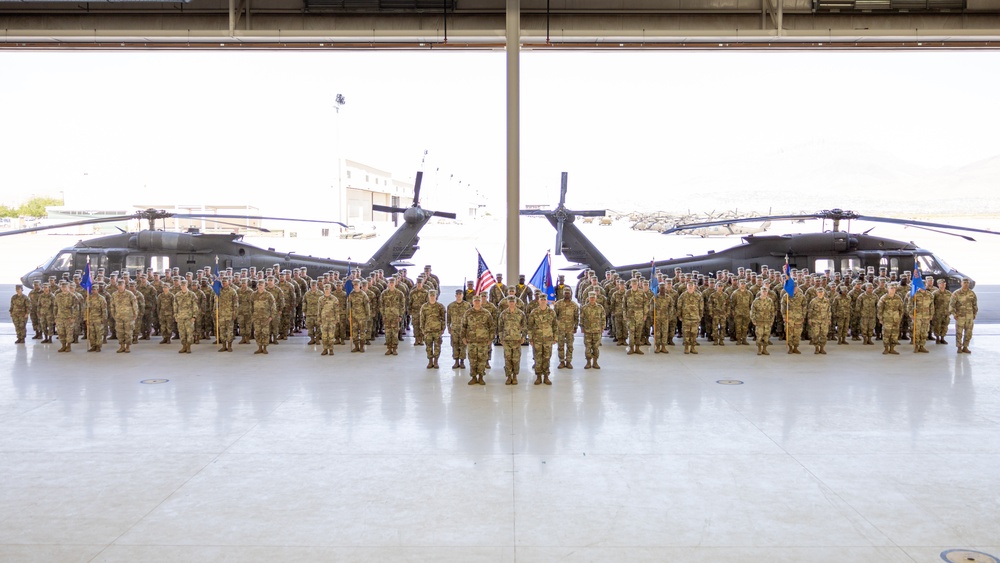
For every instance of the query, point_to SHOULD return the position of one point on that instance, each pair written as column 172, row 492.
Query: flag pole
column 788, row 304
column 217, row 339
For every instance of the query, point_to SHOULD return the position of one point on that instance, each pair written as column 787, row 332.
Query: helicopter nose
column 27, row 280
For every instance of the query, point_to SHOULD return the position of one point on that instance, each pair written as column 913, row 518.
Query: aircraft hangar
column 152, row 456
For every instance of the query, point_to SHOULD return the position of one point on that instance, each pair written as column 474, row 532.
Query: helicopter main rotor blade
column 444, row 214
column 924, row 224
column 591, row 213
column 387, row 209
column 559, row 235
column 966, row 237
column 115, row 219
column 256, row 217
column 541, row 212
column 689, row 226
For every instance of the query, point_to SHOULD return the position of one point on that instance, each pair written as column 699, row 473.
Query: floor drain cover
column 968, row 556
column 153, row 381
column 729, row 382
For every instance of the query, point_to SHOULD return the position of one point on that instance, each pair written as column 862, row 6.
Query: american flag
column 485, row 279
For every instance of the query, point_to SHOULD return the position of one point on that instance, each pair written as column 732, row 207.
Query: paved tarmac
column 157, row 456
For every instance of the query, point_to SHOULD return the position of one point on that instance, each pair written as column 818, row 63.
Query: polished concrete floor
column 853, row 456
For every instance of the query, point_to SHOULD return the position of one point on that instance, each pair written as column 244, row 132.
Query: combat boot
column 264, row 349
column 436, row 362
column 135, row 338
column 473, row 381
column 687, row 349
column 461, row 363
column 121, row 348
column 693, row 349
column 481, row 380
column 546, row 380
column 430, row 363
column 37, row 336
column 816, row 350
column 396, row 353
column 760, row 350
column 589, row 362
column 885, row 350
column 595, row 366
column 631, row 350
column 822, row 349
column 569, row 365
column 311, row 341
column 764, row 351
column 69, row 346
column 98, row 348
column 965, row 350
column 92, row 349
column 538, row 379
column 509, row 381
column 355, row 348
column 892, row 350
column 166, row 340
column 361, row 347
column 923, row 350
column 455, row 365
column 943, row 341
column 638, row 350
column 795, row 350
column 562, row 364
column 388, row 351
column 260, row 349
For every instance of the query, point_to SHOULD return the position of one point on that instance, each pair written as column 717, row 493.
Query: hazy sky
column 252, row 127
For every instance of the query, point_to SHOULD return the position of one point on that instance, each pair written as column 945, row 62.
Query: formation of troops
column 266, row 307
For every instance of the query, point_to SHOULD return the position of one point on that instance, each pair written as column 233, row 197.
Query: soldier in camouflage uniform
column 635, row 304
column 818, row 313
column 264, row 310
column 186, row 311
column 393, row 304
column 542, row 330
column 964, row 306
column 762, row 315
column 942, row 302
column 67, row 307
column 46, row 308
column 718, row 306
column 415, row 301
column 921, row 307
column 478, row 329
column 165, row 313
column 592, row 320
column 866, row 308
column 343, row 327
column 513, row 329
column 20, row 311
column 359, row 312
column 245, row 311
column 567, row 320
column 841, row 314
column 664, row 310
column 310, row 307
column 36, row 325
column 793, row 309
column 432, row 322
column 125, row 310
column 456, row 310
column 690, row 309
column 328, row 308
column 279, row 302
column 890, row 312
column 740, row 301
column 97, row 317
column 228, row 304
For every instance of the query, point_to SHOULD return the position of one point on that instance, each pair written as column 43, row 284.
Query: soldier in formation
column 567, row 321
column 433, row 318
column 964, row 307
column 20, row 311
column 328, row 307
column 456, row 311
column 890, row 314
column 97, row 317
column 478, row 329
column 542, row 328
column 228, row 306
column 513, row 329
column 125, row 310
column 592, row 320
column 921, row 309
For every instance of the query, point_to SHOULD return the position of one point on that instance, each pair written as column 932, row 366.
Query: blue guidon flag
column 918, row 282
column 484, row 277
column 542, row 278
column 348, row 284
column 86, row 282
column 216, row 280
column 789, row 282
column 654, row 284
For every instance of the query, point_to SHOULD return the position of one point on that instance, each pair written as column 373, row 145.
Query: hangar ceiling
column 480, row 24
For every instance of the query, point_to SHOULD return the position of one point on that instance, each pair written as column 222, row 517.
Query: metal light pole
column 338, row 103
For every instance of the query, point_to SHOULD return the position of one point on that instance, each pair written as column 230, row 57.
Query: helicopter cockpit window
column 135, row 264
column 823, row 264
column 929, row 265
column 850, row 264
column 63, row 261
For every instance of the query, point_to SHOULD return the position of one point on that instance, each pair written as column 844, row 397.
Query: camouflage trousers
column 225, row 332
column 718, row 328
column 359, row 331
column 843, row 324
column 262, row 331
column 343, row 329
column 541, row 353
column 126, row 328
column 66, row 328
column 818, row 331
column 418, row 335
column 314, row 328
column 95, row 333
column 328, row 330
column 432, row 340
column 890, row 332
column 246, row 325
column 939, row 324
column 47, row 325
column 793, row 332
column 763, row 333
column 458, row 348
column 185, row 329
column 689, row 331
column 635, row 326
column 479, row 354
column 921, row 326
column 867, row 326
column 564, row 345
column 963, row 330
column 511, row 357
column 661, row 332
column 20, row 325
column 35, row 324
column 618, row 326
column 167, row 325
column 592, row 345
column 391, row 327
column 741, row 325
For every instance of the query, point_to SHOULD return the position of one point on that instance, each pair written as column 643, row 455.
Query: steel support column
column 513, row 140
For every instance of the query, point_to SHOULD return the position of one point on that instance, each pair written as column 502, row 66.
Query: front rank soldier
column 921, row 306
column 866, row 308
column 97, row 317
column 125, row 310
column 818, row 313
column 513, row 329
column 478, row 329
column 762, row 315
column 393, row 304
column 942, row 302
column 690, row 309
column 245, row 295
column 664, row 310
column 567, row 321
column 432, row 322
column 841, row 314
column 793, row 309
column 310, row 307
column 456, row 310
column 20, row 311
column 416, row 300
column 228, row 303
column 165, row 312
column 592, row 320
column 343, row 327
column 359, row 312
column 964, row 306
column 264, row 311
column 36, row 325
column 46, row 308
column 542, row 329
column 718, row 304
column 328, row 307
column 740, row 301
column 890, row 313
column 67, row 306
column 186, row 310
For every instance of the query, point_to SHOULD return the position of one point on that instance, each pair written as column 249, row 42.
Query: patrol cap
column 511, row 299
column 567, row 291
column 458, row 292
column 64, row 283
column 36, row 282
column 477, row 297
column 543, row 297
column 325, row 286
column 18, row 286
column 432, row 292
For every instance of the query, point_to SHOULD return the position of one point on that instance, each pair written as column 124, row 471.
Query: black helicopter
column 835, row 250
column 159, row 250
